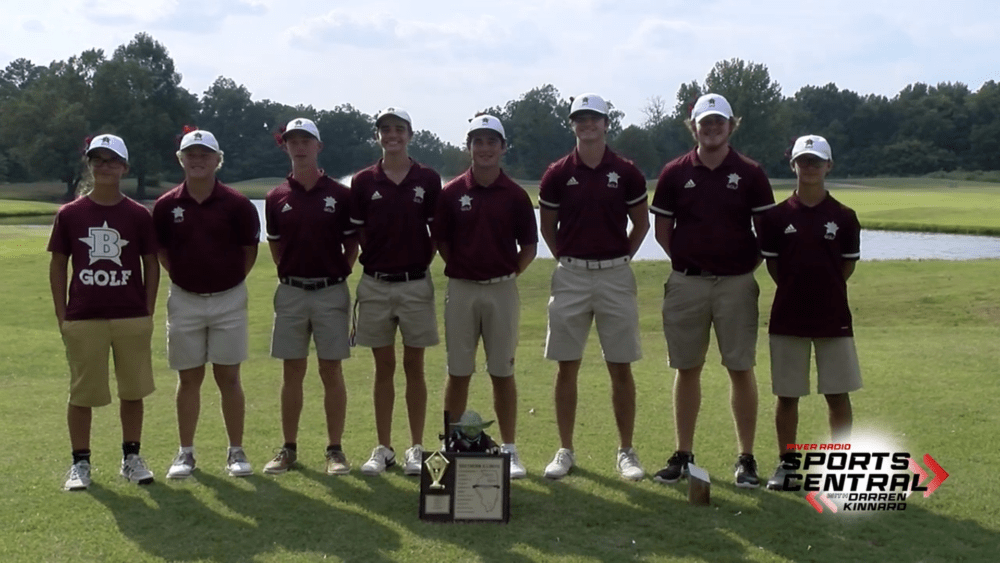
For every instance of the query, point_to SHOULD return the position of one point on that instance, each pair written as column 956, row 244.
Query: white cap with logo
column 301, row 124
column 113, row 143
column 200, row 137
column 486, row 122
column 588, row 102
column 711, row 104
column 392, row 111
column 814, row 145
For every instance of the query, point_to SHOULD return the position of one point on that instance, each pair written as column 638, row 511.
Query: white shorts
column 206, row 328
column 382, row 306
column 323, row 313
column 491, row 311
column 605, row 296
column 837, row 367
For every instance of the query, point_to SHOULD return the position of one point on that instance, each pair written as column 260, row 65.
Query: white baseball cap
column 484, row 122
column 301, row 124
column 113, row 143
column 398, row 112
column 814, row 145
column 200, row 137
column 711, row 104
column 588, row 102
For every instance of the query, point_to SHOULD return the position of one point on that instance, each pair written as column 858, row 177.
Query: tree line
column 47, row 111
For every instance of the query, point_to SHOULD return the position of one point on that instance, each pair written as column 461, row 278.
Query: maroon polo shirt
column 592, row 204
column 310, row 227
column 105, row 244
column 204, row 241
column 395, row 217
column 810, row 246
column 484, row 225
column 712, row 210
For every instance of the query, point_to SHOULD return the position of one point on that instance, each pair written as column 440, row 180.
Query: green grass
column 927, row 335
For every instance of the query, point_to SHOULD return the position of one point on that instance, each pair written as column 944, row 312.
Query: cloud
column 192, row 16
column 34, row 26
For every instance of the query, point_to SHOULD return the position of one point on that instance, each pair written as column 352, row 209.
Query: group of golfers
column 715, row 216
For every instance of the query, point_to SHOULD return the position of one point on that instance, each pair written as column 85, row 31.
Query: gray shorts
column 323, row 313
column 491, row 311
column 382, row 306
column 837, row 367
column 206, row 328
column 693, row 304
column 605, row 296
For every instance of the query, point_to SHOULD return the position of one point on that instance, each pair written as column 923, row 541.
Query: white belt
column 496, row 280
column 581, row 264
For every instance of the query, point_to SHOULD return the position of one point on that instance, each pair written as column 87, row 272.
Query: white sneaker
column 629, row 466
column 412, row 459
column 135, row 470
column 237, row 464
column 560, row 465
column 182, row 466
column 382, row 458
column 517, row 470
column 78, row 476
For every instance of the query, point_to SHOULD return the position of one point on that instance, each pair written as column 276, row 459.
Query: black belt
column 312, row 284
column 400, row 277
column 695, row 272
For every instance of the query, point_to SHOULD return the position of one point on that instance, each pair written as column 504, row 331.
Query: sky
column 445, row 60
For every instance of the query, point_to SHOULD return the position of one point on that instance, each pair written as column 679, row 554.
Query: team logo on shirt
column 376, row 195
column 418, row 195
column 572, row 181
column 790, row 229
column 105, row 244
column 734, row 180
column 466, row 202
column 613, row 179
column 689, row 184
column 178, row 214
column 330, row 204
column 286, row 208
column 831, row 230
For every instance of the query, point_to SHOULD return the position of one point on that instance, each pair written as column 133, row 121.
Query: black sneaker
column 777, row 481
column 746, row 472
column 676, row 469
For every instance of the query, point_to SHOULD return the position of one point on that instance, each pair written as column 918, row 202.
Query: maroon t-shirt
column 310, row 227
column 105, row 244
column 204, row 241
column 484, row 225
column 811, row 245
column 712, row 210
column 592, row 204
column 395, row 217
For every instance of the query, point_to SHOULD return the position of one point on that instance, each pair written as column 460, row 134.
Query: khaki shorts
column 491, row 311
column 382, row 306
column 206, row 328
column 607, row 296
column 324, row 313
column 87, row 345
column 692, row 304
column 837, row 367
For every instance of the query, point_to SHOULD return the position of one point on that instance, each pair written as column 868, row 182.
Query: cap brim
column 109, row 149
column 199, row 144
column 812, row 152
column 712, row 112
column 587, row 110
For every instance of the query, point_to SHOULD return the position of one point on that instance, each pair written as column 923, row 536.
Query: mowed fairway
column 928, row 334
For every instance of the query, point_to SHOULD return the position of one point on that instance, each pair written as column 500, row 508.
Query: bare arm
column 58, row 282
column 164, row 259
column 525, row 256
column 351, row 251
column 151, row 280
column 444, row 249
column 639, row 214
column 849, row 266
column 548, row 220
column 273, row 247
column 772, row 268
column 664, row 232
column 757, row 229
column 250, row 258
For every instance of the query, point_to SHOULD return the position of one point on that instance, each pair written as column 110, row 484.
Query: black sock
column 333, row 448
column 81, row 455
column 130, row 448
column 291, row 446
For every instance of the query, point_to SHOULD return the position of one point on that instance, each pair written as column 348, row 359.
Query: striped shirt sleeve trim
column 350, row 232
column 357, row 221
column 273, row 237
column 548, row 204
column 852, row 255
column 763, row 208
column 768, row 254
column 637, row 200
column 658, row 211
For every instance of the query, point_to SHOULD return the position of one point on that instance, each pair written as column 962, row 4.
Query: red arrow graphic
column 939, row 473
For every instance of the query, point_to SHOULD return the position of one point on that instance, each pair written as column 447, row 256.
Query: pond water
column 875, row 245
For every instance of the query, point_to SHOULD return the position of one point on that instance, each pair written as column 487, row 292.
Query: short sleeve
column 549, row 194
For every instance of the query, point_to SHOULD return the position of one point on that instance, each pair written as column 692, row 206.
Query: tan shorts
column 323, row 313
column 692, row 304
column 382, row 306
column 206, row 328
column 491, row 311
column 580, row 296
column 87, row 345
column 837, row 367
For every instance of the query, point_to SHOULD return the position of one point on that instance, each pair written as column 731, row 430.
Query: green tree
column 537, row 130
column 636, row 144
